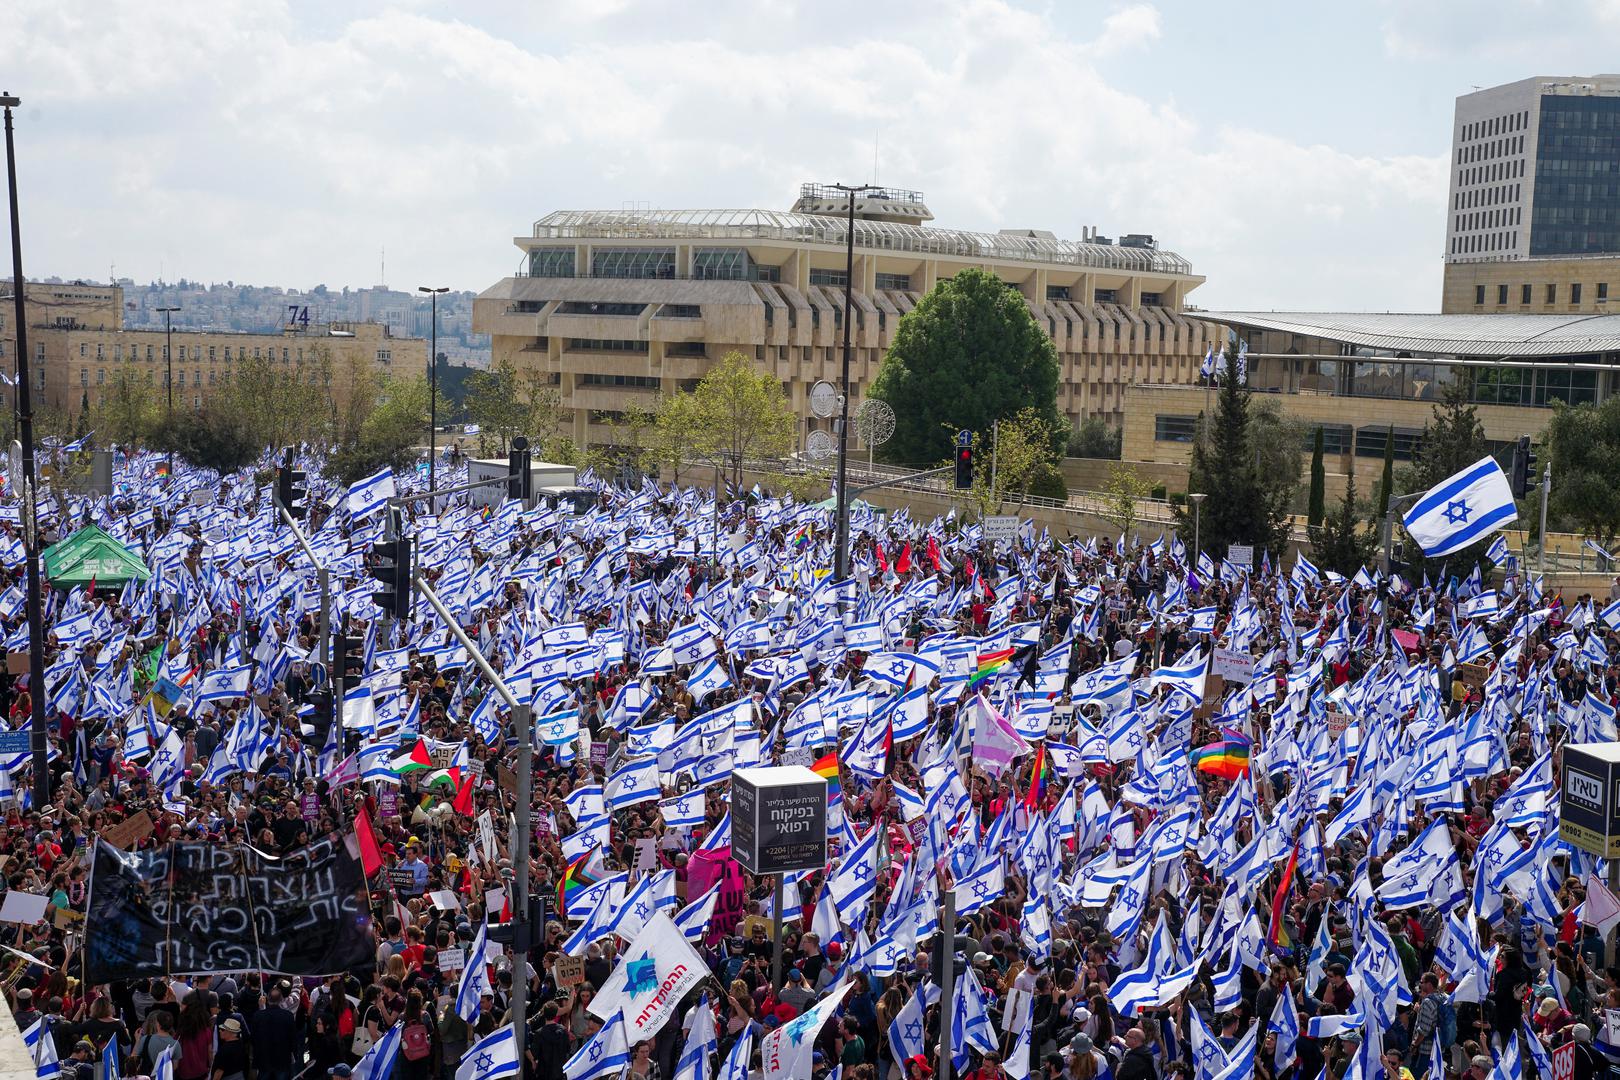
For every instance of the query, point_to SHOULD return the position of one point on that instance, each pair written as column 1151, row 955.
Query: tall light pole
column 38, row 742
column 841, row 568
column 1197, row 499
column 433, row 379
column 168, row 376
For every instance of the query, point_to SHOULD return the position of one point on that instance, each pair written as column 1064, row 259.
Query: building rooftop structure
column 1507, row 335
column 829, row 229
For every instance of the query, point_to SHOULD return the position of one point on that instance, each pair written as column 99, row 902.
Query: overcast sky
column 1294, row 153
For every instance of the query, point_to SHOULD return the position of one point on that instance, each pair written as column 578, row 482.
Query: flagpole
column 947, row 969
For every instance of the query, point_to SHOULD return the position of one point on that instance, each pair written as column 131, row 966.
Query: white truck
column 545, row 479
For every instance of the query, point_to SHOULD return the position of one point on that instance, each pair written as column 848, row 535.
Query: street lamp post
column 168, row 377
column 841, row 568
column 433, row 379
column 1197, row 499
column 38, row 743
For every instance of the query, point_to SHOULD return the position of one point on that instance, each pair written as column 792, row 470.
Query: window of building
column 685, row 349
column 256, row 354
column 1336, row 438
column 901, row 282
column 84, row 349
column 211, row 353
column 149, row 354
column 552, row 262
column 1152, row 299
column 84, row 376
column 101, row 353
column 721, row 264
column 598, row 307
column 1603, row 290
column 1479, row 294
column 1570, row 387
column 1182, row 429
column 1575, row 292
column 210, row 376
column 1057, row 292
column 196, row 377
column 101, row 376
column 385, row 356
column 634, row 382
column 633, row 262
column 1370, row 442
column 1501, row 294
column 767, row 273
column 1105, row 296
column 606, row 345
column 831, row 278
column 1524, row 294
column 1552, row 294
column 685, row 311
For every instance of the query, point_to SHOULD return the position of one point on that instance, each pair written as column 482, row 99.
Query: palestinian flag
column 1228, row 758
column 989, row 664
column 1040, row 776
column 827, row 769
column 581, row 874
column 417, row 757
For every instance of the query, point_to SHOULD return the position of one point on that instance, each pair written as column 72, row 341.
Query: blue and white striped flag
column 378, row 1064
column 693, row 1063
column 371, row 494
column 1461, row 509
column 633, row 782
column 490, row 1058
column 606, row 1054
column 1498, row 551
column 474, row 976
column 42, row 1044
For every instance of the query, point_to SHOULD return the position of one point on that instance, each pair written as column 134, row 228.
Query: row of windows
column 832, row 278
column 1336, row 438
column 1488, row 219
column 682, row 311
column 1498, row 241
column 599, row 307
column 1491, row 196
column 1496, row 125
column 636, row 382
column 1494, row 149
column 901, row 282
column 1490, row 174
column 1549, row 295
column 179, row 378
column 161, row 352
column 606, row 345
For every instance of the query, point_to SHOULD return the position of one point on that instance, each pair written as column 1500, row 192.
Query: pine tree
column 1317, row 507
column 1240, row 508
column 1386, row 483
column 1340, row 544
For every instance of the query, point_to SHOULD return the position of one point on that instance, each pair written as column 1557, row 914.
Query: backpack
column 1445, row 1023
column 414, row 1042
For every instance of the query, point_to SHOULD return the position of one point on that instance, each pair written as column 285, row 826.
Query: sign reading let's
column 1589, row 816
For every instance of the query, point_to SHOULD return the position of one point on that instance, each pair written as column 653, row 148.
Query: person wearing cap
column 231, row 1055
column 796, row 993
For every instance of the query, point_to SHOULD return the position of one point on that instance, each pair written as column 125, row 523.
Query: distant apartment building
column 1533, row 222
column 79, row 344
column 618, row 306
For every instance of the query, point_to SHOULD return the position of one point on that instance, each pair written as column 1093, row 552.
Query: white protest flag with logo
column 658, row 969
column 786, row 1051
column 1462, row 509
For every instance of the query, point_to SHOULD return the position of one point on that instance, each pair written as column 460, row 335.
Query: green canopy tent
column 92, row 555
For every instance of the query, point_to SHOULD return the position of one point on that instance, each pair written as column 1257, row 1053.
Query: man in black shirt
column 274, row 1035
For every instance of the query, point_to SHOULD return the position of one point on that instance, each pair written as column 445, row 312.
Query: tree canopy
column 1584, row 442
column 968, row 354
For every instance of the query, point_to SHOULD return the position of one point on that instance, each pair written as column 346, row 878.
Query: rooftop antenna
column 875, row 135
column 382, row 266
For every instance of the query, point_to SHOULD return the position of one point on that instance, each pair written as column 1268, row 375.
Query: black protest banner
column 199, row 908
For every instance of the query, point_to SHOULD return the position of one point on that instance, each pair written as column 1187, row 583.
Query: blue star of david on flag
column 1456, row 511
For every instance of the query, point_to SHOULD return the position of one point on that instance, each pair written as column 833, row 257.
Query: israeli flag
column 42, row 1045
column 474, row 976
column 1462, row 509
column 371, row 494
column 378, row 1064
column 606, row 1054
column 683, row 811
column 492, row 1057
column 633, row 782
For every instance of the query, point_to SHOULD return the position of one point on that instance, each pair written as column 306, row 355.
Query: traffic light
column 964, row 466
column 320, row 717
column 1523, row 475
column 346, row 653
column 520, row 482
column 292, row 491
column 392, row 567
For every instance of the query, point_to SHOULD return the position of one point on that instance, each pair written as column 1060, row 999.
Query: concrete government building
column 1533, row 220
column 618, row 306
column 79, row 344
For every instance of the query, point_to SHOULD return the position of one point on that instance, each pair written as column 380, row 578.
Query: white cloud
column 232, row 139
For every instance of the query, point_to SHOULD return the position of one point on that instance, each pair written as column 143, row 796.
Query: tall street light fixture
column 1197, row 499
column 433, row 379
column 38, row 744
column 168, row 376
column 841, row 570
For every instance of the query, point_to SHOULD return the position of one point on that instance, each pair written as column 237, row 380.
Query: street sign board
column 1241, row 555
column 1589, row 815
column 964, row 437
column 1001, row 527
column 778, row 819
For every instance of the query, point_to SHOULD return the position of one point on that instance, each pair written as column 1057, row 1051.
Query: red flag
column 902, row 565
column 933, row 555
column 463, row 803
column 90, row 590
column 370, row 854
column 883, row 564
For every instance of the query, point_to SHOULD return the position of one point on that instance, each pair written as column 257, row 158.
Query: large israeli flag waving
column 1462, row 509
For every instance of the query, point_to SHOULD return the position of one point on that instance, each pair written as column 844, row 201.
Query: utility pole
column 168, row 379
column 947, row 941
column 841, row 556
column 38, row 742
column 433, row 379
column 1541, row 546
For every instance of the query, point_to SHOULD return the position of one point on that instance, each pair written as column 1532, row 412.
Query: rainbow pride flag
column 827, row 769
column 1277, row 933
column 1228, row 757
column 1040, row 775
column 989, row 664
column 581, row 874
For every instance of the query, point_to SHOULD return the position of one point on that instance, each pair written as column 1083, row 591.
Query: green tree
column 1341, row 544
column 1094, row 438
column 1021, row 457
column 738, row 413
column 1316, row 508
column 129, row 411
column 1230, row 465
column 1123, row 491
column 968, row 354
column 1386, row 481
column 1583, row 442
column 494, row 404
column 390, row 433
